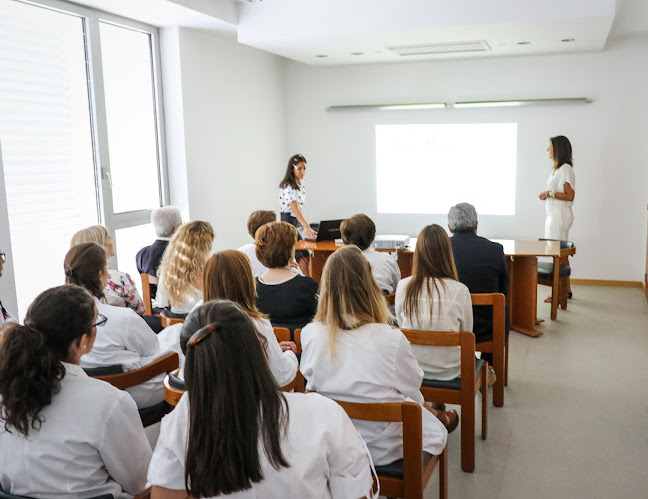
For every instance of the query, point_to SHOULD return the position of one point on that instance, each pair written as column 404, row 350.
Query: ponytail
column 82, row 266
column 31, row 356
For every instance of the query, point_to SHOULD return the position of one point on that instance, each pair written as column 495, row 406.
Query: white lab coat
column 91, row 442
column 257, row 267
column 127, row 340
column 374, row 363
column 384, row 269
column 452, row 311
column 326, row 455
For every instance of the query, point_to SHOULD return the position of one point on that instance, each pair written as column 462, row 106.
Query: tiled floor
column 575, row 417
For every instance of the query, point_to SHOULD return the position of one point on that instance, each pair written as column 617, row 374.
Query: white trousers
column 559, row 220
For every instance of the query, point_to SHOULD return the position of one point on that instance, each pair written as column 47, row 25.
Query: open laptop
column 327, row 230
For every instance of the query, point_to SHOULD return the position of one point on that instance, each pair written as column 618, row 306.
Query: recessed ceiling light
column 524, row 43
column 567, row 40
column 357, row 53
column 321, row 55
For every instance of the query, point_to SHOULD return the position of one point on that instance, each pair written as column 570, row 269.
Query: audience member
column 256, row 220
column 432, row 299
column 4, row 315
column 63, row 434
column 123, row 337
column 361, row 231
column 481, row 265
column 180, row 274
column 120, row 289
column 166, row 221
column 351, row 353
column 288, row 298
column 228, row 276
column 234, row 433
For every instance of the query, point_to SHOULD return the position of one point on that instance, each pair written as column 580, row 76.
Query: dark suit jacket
column 481, row 265
column 148, row 260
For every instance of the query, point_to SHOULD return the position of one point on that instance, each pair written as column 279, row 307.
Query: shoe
column 569, row 295
column 490, row 376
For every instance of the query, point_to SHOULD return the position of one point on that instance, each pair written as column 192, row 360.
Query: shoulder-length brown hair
column 562, row 151
column 433, row 262
column 228, row 276
column 83, row 265
column 349, row 296
column 289, row 178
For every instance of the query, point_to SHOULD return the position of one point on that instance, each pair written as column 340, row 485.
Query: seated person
column 351, row 353
column 288, row 298
column 62, row 433
column 481, row 265
column 120, row 289
column 283, row 444
column 4, row 315
column 361, row 231
column 166, row 221
column 180, row 273
column 432, row 299
column 256, row 220
column 123, row 337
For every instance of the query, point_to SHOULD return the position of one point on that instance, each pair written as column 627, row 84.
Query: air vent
column 442, row 48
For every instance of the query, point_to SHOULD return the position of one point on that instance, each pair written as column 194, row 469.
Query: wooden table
column 522, row 266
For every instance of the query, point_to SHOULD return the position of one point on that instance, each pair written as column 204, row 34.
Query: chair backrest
column 297, row 335
column 146, row 294
column 170, row 321
column 282, row 333
column 94, row 372
column 391, row 299
column 498, row 302
column 463, row 339
column 164, row 364
column 172, row 389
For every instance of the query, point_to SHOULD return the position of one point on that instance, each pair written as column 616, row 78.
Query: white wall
column 226, row 130
column 609, row 138
column 7, row 281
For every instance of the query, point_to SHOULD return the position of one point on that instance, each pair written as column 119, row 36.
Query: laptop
column 328, row 230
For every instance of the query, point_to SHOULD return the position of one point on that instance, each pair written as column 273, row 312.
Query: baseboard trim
column 604, row 282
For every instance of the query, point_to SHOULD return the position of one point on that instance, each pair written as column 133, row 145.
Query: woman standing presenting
column 560, row 190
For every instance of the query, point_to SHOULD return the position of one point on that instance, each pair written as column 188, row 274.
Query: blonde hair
column 96, row 234
column 184, row 259
column 349, row 295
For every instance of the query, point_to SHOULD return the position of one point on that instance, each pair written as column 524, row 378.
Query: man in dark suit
column 481, row 265
column 166, row 221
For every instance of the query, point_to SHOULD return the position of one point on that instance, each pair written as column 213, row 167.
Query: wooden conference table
column 522, row 266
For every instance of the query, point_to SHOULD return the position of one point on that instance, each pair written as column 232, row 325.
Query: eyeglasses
column 3, row 257
column 202, row 333
column 101, row 322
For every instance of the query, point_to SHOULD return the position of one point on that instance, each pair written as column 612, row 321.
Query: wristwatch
column 551, row 194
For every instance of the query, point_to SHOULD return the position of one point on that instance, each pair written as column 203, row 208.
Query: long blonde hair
column 433, row 261
column 95, row 234
column 184, row 259
column 349, row 296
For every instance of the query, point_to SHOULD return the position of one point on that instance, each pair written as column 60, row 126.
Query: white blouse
column 91, row 442
column 192, row 295
column 326, row 455
column 289, row 194
column 374, row 363
column 556, row 183
column 452, row 311
column 257, row 267
column 127, row 340
column 384, row 268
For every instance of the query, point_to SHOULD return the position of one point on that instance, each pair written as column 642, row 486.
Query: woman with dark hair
column 351, row 353
column 63, row 434
column 233, row 433
column 560, row 190
column 433, row 299
column 124, row 338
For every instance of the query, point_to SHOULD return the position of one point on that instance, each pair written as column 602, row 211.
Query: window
column 79, row 132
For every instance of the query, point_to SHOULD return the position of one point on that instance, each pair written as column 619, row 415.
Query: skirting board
column 603, row 282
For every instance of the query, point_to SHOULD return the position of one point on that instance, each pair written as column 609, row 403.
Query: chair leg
column 468, row 434
column 506, row 366
column 484, row 397
column 564, row 287
column 443, row 474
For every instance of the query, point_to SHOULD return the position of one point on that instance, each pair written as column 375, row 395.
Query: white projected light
column 429, row 168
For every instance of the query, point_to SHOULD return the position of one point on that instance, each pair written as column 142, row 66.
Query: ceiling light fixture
column 388, row 107
column 567, row 40
column 524, row 43
column 357, row 53
column 321, row 55
column 442, row 48
column 524, row 102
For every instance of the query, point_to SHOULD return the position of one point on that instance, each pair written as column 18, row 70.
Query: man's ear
column 451, row 231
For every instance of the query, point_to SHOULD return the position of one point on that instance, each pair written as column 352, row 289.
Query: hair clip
column 202, row 333
column 69, row 273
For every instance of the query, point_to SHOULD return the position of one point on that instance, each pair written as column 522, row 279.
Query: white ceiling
column 302, row 29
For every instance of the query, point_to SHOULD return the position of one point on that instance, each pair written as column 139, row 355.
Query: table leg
column 523, row 291
column 555, row 288
column 317, row 261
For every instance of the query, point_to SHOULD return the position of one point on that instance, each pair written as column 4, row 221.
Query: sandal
column 450, row 420
column 547, row 299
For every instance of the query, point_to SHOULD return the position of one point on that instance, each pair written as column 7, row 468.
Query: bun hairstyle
column 289, row 178
column 236, row 410
column 83, row 263
column 31, row 356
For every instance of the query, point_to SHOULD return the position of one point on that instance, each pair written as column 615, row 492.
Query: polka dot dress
column 289, row 194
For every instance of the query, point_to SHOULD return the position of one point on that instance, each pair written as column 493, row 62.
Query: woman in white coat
column 123, row 337
column 63, row 434
column 290, row 445
column 351, row 353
